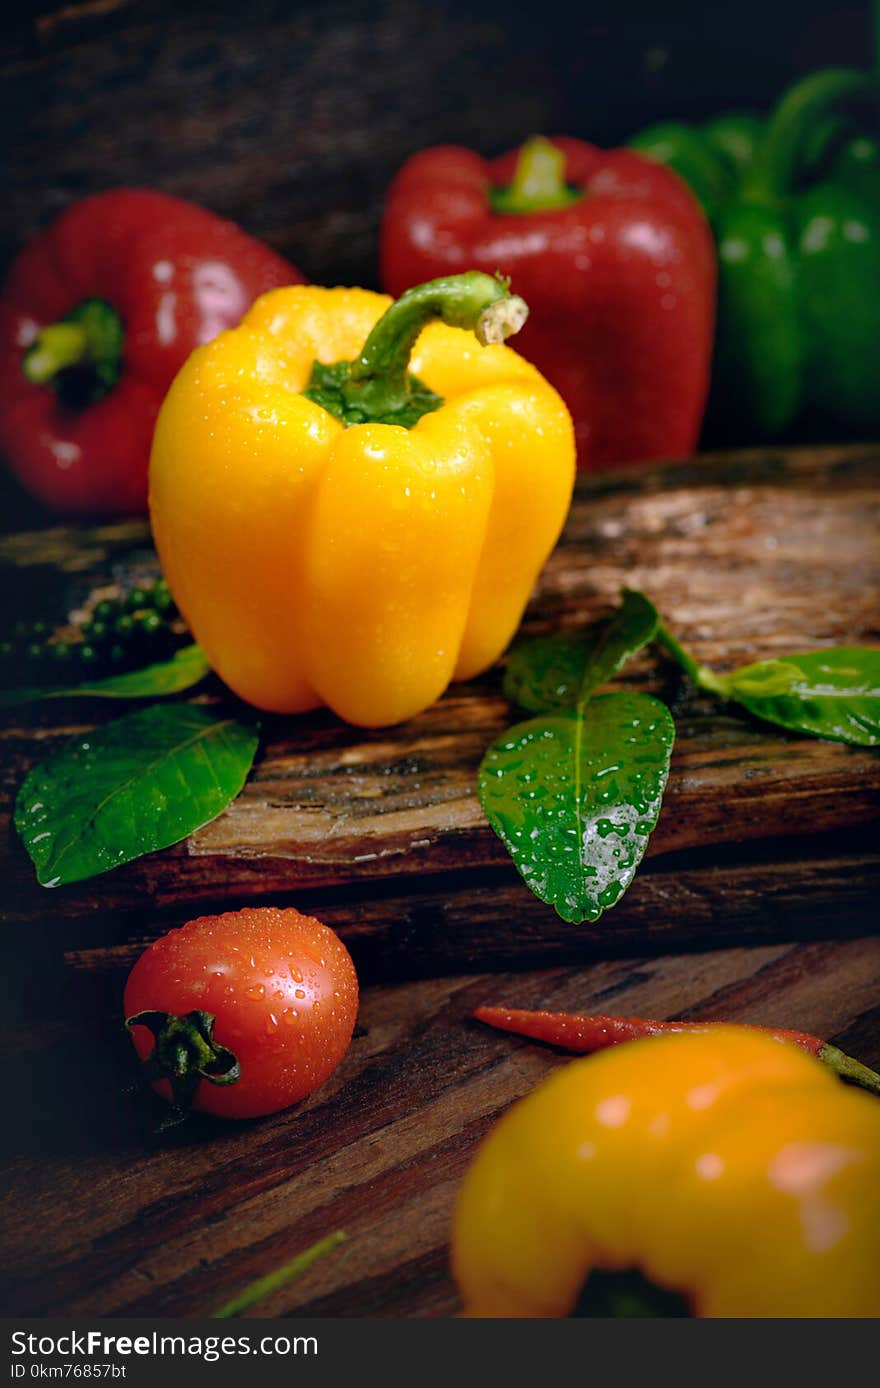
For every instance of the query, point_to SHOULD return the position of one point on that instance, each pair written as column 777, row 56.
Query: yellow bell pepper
column 726, row 1167
column 351, row 502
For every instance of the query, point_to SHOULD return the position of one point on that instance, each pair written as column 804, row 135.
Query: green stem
column 538, row 183
column 472, row 300
column 849, row 1069
column 90, row 339
column 185, row 1053
column 377, row 387
column 264, row 1286
column 700, row 675
column 802, row 106
column 57, row 347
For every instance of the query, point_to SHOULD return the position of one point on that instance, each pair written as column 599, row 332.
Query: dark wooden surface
column 757, row 904
column 100, row 1218
column 749, row 555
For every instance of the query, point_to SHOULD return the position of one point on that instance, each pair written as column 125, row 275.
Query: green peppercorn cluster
column 124, row 633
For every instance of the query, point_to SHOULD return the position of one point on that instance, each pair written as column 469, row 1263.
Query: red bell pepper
column 97, row 315
column 613, row 256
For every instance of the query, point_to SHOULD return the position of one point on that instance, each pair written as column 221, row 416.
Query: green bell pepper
column 794, row 202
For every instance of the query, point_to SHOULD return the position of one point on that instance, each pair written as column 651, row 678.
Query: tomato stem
column 185, row 1053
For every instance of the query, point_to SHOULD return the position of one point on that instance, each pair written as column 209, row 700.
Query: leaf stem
column 701, row 675
column 264, row 1286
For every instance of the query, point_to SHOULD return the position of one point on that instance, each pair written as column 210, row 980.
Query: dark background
column 292, row 118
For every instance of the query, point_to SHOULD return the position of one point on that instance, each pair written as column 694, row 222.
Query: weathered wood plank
column 476, row 920
column 132, row 1225
column 766, row 852
column 747, row 555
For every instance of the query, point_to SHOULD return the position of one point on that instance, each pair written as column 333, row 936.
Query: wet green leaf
column 556, row 672
column 832, row 694
column 575, row 795
column 140, row 783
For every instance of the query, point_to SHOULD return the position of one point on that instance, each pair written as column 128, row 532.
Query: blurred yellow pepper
column 725, row 1166
column 351, row 503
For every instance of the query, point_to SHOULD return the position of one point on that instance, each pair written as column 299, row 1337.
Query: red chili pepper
column 98, row 314
column 613, row 256
column 587, row 1034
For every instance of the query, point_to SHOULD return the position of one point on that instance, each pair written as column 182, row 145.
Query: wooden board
column 762, row 833
column 101, row 1218
column 764, row 837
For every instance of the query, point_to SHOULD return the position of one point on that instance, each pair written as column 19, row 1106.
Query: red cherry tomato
column 283, row 995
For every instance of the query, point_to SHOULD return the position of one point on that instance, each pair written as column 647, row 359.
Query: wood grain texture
column 100, row 1218
column 764, row 878
column 747, row 556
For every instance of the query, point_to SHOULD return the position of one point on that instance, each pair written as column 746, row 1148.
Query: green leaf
column 185, row 668
column 833, row 694
column 138, row 784
column 575, row 795
column 560, row 671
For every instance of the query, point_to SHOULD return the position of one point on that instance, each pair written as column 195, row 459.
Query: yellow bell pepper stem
column 379, row 383
column 377, row 387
